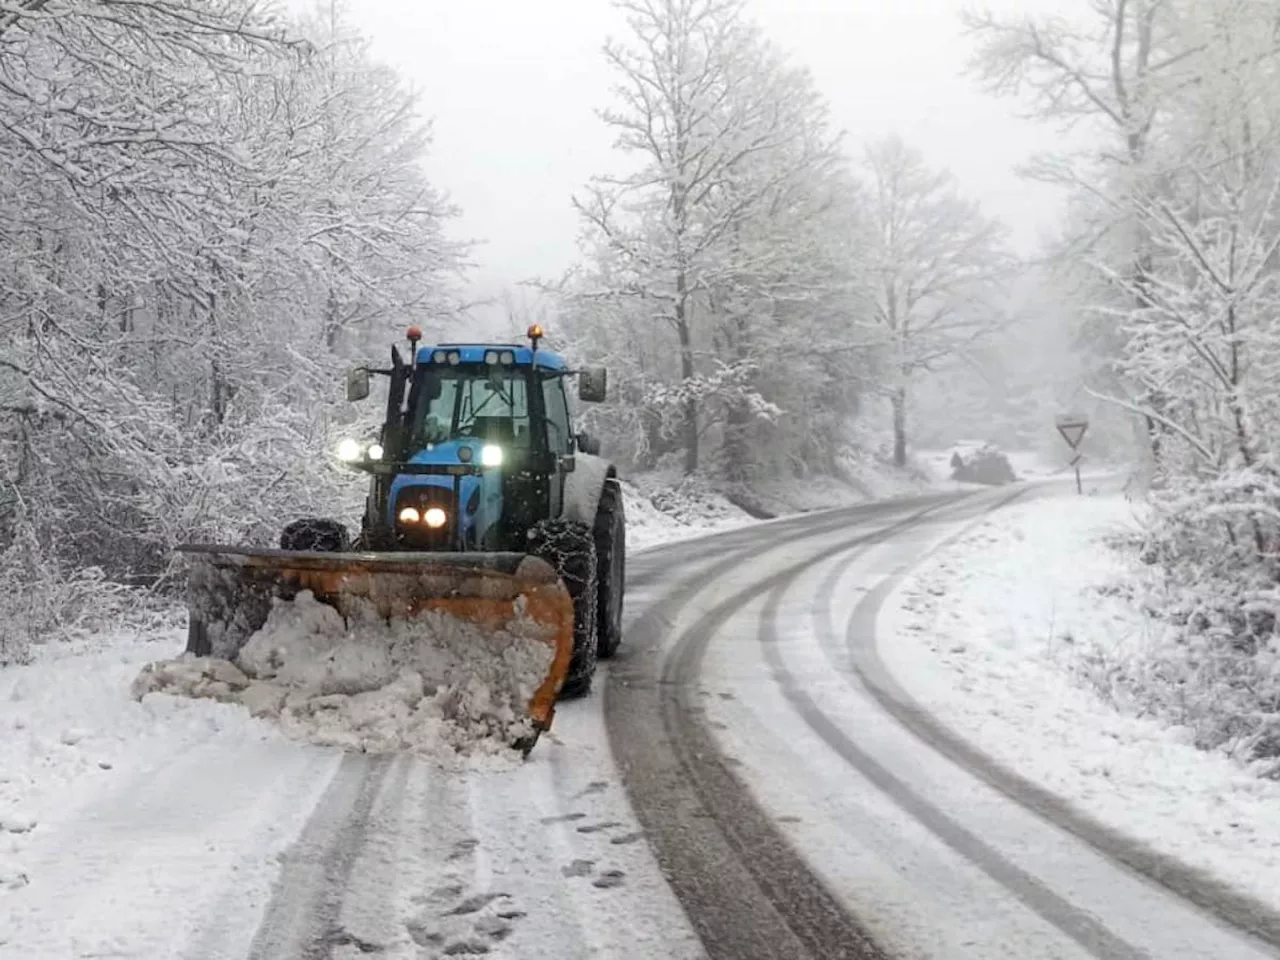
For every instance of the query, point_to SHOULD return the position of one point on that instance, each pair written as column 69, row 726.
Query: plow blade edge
column 230, row 594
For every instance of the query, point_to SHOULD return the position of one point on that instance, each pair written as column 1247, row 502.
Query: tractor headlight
column 349, row 450
column 490, row 455
column 375, row 451
column 409, row 515
column 435, row 518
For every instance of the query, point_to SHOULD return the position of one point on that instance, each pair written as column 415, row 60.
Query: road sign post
column 1072, row 427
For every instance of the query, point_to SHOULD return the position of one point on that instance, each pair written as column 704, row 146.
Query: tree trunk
column 737, row 420
column 899, row 400
column 686, row 374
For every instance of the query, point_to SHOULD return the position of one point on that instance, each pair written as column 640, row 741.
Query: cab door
column 559, row 438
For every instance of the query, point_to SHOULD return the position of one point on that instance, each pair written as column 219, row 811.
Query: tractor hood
column 449, row 452
column 474, row 493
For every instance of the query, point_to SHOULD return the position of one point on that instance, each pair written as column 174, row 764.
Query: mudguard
column 582, row 487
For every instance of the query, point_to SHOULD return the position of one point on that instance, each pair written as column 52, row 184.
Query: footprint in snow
column 604, row 879
column 625, row 838
column 597, row 827
column 595, row 786
column 468, row 927
column 563, row 818
column 609, row 878
column 475, row 903
column 462, row 848
column 12, row 879
column 16, row 823
column 344, row 938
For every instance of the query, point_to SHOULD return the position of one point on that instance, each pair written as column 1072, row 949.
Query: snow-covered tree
column 934, row 265
column 710, row 262
column 1178, row 227
column 203, row 212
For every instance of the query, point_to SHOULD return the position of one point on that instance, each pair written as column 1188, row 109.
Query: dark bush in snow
column 985, row 465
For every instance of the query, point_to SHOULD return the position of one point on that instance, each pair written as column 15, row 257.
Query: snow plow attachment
column 231, row 593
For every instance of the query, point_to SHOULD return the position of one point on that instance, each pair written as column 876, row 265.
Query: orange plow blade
column 231, row 594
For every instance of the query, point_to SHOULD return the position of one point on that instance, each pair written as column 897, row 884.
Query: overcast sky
column 512, row 86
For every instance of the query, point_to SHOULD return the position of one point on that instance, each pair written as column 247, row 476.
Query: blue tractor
column 483, row 499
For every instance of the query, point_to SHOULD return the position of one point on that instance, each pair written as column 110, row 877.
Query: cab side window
column 557, row 408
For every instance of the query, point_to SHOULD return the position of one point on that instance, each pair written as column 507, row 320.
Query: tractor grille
column 418, row 536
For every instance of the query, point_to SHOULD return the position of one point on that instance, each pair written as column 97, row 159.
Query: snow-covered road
column 742, row 785
column 799, row 817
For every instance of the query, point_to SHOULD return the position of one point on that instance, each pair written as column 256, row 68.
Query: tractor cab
column 476, row 444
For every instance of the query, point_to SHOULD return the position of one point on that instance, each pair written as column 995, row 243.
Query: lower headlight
column 349, row 450
column 490, row 456
column 409, row 515
column 435, row 517
column 375, row 451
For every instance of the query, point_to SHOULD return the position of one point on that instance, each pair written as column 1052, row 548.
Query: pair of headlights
column 433, row 517
column 349, row 451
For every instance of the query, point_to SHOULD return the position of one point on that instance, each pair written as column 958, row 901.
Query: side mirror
column 592, row 384
column 588, row 444
column 357, row 383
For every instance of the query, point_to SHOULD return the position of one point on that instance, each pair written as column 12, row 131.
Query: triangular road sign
column 1072, row 426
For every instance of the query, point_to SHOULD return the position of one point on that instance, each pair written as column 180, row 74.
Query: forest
column 209, row 208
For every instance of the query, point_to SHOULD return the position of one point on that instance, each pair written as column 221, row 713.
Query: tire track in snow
column 1197, row 887
column 1074, row 922
column 303, row 917
column 747, row 892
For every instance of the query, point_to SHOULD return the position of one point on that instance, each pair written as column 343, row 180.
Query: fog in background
column 513, row 87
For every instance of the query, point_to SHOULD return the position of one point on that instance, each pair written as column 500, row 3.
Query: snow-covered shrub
column 986, row 465
column 1213, row 550
column 42, row 600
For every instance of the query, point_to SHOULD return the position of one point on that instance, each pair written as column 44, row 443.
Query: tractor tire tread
column 611, row 550
column 570, row 548
column 316, row 533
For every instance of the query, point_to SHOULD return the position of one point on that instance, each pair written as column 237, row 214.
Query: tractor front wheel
column 570, row 548
column 314, row 533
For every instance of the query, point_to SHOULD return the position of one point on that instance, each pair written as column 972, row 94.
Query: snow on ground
column 993, row 634
column 664, row 506
column 433, row 685
column 84, row 769
column 659, row 511
column 122, row 819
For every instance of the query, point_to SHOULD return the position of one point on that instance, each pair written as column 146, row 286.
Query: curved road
column 801, row 806
column 747, row 782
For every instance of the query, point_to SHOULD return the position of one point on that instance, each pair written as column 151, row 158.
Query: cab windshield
column 472, row 401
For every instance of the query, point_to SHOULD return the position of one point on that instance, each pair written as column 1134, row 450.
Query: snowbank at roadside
column 663, row 509
column 995, row 635
column 665, row 506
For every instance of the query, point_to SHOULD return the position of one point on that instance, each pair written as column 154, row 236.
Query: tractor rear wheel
column 611, row 556
column 570, row 548
column 314, row 533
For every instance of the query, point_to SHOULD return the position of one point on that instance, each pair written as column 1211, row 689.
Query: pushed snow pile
column 433, row 685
